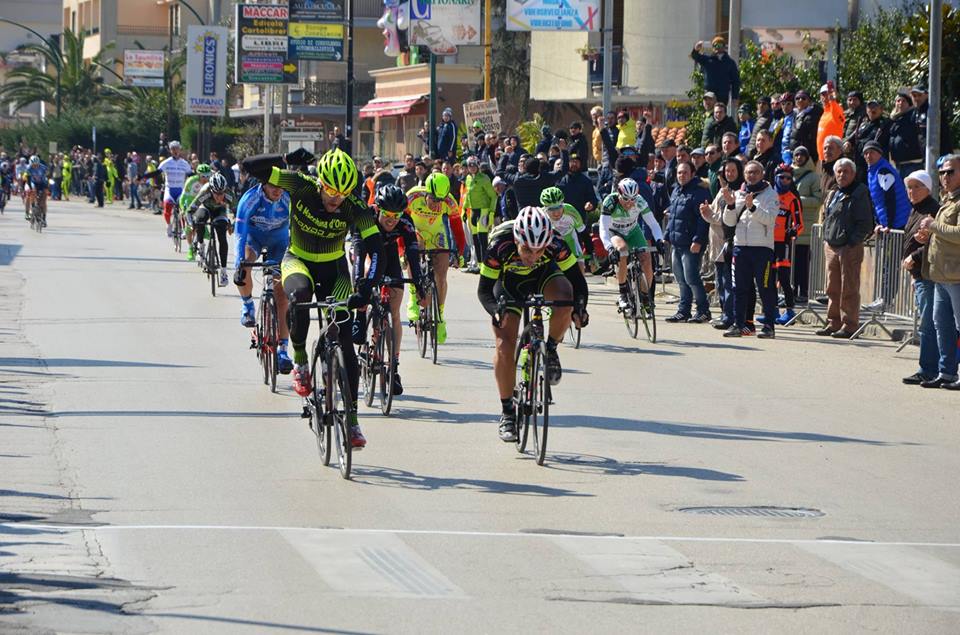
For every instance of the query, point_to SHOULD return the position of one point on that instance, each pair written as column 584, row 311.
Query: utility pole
column 348, row 120
column 267, row 116
column 487, row 49
column 933, row 85
column 607, row 54
column 168, row 62
column 433, row 105
column 733, row 40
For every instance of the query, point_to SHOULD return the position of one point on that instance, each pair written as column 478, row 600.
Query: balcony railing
column 327, row 93
column 596, row 69
column 142, row 29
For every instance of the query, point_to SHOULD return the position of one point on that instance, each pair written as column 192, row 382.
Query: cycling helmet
column 391, row 198
column 438, row 185
column 551, row 197
column 532, row 228
column 203, row 169
column 218, row 183
column 628, row 188
column 337, row 170
column 472, row 161
column 34, row 160
column 4, row 166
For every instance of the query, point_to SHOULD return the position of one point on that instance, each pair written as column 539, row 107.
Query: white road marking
column 921, row 576
column 653, row 572
column 483, row 534
column 377, row 564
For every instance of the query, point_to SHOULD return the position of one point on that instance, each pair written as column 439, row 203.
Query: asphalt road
column 150, row 482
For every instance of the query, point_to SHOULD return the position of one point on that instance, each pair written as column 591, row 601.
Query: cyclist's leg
column 620, row 244
column 220, row 224
column 396, row 301
column 275, row 254
column 555, row 286
column 298, row 286
column 441, row 263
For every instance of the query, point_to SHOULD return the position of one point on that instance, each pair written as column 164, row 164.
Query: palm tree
column 81, row 82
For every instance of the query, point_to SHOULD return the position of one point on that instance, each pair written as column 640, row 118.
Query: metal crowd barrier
column 886, row 283
column 816, row 277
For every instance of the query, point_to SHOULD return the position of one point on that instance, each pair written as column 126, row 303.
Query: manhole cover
column 762, row 511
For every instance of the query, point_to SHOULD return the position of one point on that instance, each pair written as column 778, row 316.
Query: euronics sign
column 206, row 93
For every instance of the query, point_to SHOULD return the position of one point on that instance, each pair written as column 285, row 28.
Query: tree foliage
column 871, row 55
column 510, row 65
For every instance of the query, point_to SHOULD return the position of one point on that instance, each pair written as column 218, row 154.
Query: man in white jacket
column 753, row 211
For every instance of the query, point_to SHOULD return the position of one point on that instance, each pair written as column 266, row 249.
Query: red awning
column 389, row 106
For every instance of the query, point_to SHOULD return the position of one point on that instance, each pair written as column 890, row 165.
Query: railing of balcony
column 595, row 67
column 332, row 93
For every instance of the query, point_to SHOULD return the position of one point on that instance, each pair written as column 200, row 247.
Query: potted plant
column 589, row 53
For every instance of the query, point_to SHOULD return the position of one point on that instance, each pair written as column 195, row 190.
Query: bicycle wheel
column 434, row 323
column 631, row 314
column 271, row 342
column 341, row 407
column 645, row 309
column 421, row 327
column 38, row 216
column 212, row 263
column 368, row 371
column 574, row 332
column 177, row 230
column 259, row 342
column 319, row 421
column 521, row 394
column 386, row 357
column 540, row 402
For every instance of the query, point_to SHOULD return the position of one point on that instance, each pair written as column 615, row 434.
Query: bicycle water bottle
column 524, row 358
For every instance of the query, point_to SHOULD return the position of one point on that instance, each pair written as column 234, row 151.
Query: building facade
column 43, row 16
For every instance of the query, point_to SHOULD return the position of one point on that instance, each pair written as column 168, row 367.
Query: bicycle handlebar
column 536, row 301
column 259, row 265
column 388, row 281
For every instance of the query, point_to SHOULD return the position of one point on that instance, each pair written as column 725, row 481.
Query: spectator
column 133, row 180
column 767, row 155
column 890, row 204
column 162, row 148
column 447, row 137
column 938, row 350
column 420, row 169
column 669, row 150
column 721, row 243
column 714, row 163
column 831, row 123
column 832, row 152
column 479, row 202
column 534, row 179
column 511, row 154
column 730, row 145
column 920, row 100
column 942, row 262
column 546, row 140
column 720, row 124
column 746, row 127
column 478, row 137
column 709, row 101
column 789, row 225
column 853, row 117
column 627, row 129
column 698, row 157
column 752, row 211
column 506, row 201
column 806, row 126
column 578, row 189
column 577, row 144
column 688, row 233
column 407, row 177
column 848, row 221
column 783, row 129
column 764, row 118
column 645, row 143
column 720, row 73
column 905, row 147
column 807, row 182
column 98, row 174
column 875, row 128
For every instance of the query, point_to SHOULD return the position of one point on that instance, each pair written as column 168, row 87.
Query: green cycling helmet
column 438, row 185
column 551, row 197
column 336, row 170
column 203, row 169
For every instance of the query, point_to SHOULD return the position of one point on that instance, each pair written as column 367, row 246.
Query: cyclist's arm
column 202, row 197
column 372, row 245
column 649, row 218
column 485, row 289
column 242, row 229
column 579, row 283
column 605, row 237
column 412, row 249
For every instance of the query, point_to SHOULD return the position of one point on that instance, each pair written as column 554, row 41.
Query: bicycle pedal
column 305, row 413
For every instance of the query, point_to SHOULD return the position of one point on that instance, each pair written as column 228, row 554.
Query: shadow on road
column 82, row 363
column 391, row 477
column 629, row 350
column 176, row 413
column 714, row 345
column 606, row 466
column 700, row 431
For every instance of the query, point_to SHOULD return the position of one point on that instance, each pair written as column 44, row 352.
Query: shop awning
column 390, row 106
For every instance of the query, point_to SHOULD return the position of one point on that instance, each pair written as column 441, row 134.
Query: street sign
column 143, row 68
column 262, row 45
column 300, row 135
column 485, row 111
column 206, row 93
column 443, row 26
column 316, row 41
column 553, row 15
column 314, row 11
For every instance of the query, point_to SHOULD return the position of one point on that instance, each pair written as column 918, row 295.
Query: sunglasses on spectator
column 946, row 172
column 332, row 192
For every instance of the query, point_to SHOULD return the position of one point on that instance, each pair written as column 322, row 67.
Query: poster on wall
column 553, row 15
column 143, row 69
column 206, row 93
column 262, row 47
column 316, row 10
column 443, row 25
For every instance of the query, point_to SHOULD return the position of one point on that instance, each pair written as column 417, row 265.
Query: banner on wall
column 553, row 15
column 143, row 69
column 316, row 10
column 443, row 25
column 206, row 94
column 316, row 41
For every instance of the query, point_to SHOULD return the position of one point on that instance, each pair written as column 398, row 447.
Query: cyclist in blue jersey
column 35, row 182
column 263, row 222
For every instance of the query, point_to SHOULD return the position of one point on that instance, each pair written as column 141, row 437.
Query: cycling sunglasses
column 332, row 192
column 388, row 214
column 553, row 208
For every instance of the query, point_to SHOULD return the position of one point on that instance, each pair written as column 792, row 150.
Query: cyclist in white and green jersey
column 190, row 190
column 620, row 232
column 567, row 222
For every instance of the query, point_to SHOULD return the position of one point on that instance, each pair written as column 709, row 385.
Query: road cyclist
column 175, row 170
column 190, row 190
column 567, row 223
column 35, row 189
column 213, row 204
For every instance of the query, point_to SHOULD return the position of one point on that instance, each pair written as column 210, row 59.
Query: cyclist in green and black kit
column 322, row 212
column 190, row 190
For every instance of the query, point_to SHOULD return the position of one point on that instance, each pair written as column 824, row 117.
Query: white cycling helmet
column 533, row 228
column 217, row 183
column 34, row 160
column 628, row 188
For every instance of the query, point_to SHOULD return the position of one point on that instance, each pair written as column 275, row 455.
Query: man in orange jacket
column 832, row 120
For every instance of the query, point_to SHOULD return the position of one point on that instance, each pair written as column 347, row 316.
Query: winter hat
column 921, row 176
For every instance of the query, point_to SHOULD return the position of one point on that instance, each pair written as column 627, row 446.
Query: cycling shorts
column 328, row 278
column 203, row 214
column 172, row 194
column 275, row 249
column 634, row 239
column 519, row 287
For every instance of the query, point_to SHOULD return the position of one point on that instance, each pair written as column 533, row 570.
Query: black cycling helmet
column 391, row 198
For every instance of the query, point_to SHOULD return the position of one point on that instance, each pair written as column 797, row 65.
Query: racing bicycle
column 378, row 358
column 265, row 336
column 641, row 309
column 426, row 324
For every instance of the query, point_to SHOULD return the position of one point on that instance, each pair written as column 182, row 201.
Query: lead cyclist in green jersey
column 567, row 223
column 322, row 212
column 620, row 232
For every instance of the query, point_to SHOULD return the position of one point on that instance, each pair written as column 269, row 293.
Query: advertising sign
column 143, row 68
column 316, row 41
column 553, row 15
column 206, row 70
column 316, row 10
column 262, row 45
column 443, row 25
column 486, row 111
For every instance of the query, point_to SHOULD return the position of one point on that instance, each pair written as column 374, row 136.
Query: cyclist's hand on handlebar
column 661, row 247
column 581, row 318
column 240, row 276
column 614, row 257
column 357, row 300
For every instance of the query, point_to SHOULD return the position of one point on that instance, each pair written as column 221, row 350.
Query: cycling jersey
column 617, row 221
column 262, row 223
column 568, row 227
column 36, row 177
column 433, row 225
column 190, row 190
column 205, row 199
column 315, row 234
column 175, row 173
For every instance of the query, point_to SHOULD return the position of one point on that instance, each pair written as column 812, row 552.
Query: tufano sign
column 206, row 94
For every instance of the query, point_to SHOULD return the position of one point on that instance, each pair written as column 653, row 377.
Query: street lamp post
column 53, row 43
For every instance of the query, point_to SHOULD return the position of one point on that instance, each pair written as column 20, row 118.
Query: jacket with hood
column 807, row 182
column 754, row 225
column 805, row 129
column 686, row 225
column 889, row 195
column 904, row 138
column 831, row 123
